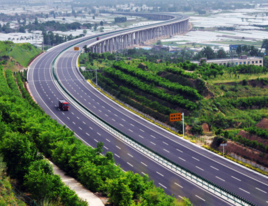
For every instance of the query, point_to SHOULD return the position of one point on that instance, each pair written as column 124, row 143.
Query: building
column 258, row 61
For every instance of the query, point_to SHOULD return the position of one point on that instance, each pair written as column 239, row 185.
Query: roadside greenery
column 188, row 92
column 135, row 82
column 25, row 130
column 23, row 53
column 263, row 133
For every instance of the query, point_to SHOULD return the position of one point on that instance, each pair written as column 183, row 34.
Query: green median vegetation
column 27, row 133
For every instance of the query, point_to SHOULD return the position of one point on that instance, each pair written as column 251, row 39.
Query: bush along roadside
column 28, row 129
column 19, row 152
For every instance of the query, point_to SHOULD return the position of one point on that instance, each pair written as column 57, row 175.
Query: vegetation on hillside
column 11, row 54
column 8, row 195
column 161, row 88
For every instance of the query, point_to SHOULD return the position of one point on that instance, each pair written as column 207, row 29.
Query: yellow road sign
column 174, row 117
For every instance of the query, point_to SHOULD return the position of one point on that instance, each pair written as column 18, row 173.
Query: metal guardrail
column 206, row 184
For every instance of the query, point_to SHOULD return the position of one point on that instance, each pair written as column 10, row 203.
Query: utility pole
column 96, row 78
column 182, row 124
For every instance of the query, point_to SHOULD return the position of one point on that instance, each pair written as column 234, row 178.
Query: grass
column 226, row 78
column 23, row 53
column 7, row 196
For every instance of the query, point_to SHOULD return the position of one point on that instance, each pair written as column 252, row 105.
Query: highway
column 234, row 178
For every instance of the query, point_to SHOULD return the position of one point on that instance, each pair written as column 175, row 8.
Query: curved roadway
column 232, row 177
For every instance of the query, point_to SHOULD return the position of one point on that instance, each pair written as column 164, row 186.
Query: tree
column 101, row 23
column 226, row 134
column 253, row 51
column 221, row 54
column 41, row 182
column 36, row 21
column 265, row 44
column 119, row 192
column 85, row 31
column 17, row 150
column 239, row 49
column 95, row 27
column 159, row 42
column 265, row 61
column 208, row 52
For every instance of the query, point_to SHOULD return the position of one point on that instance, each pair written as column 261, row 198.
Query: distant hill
column 17, row 56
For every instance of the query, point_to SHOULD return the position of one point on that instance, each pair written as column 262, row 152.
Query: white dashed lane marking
column 200, row 198
column 235, row 178
column 199, row 168
column 177, row 184
column 220, row 179
column 182, row 159
column 214, row 168
column 261, row 190
column 244, row 190
column 144, row 164
column 195, row 158
column 160, row 174
column 162, row 185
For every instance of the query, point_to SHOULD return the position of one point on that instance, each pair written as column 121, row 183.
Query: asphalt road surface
column 232, row 177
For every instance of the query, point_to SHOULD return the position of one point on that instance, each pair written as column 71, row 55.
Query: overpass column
column 132, row 39
column 136, row 38
column 110, row 47
column 101, row 47
column 107, row 46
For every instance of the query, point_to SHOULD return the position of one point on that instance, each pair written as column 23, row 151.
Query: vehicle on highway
column 98, row 38
column 63, row 105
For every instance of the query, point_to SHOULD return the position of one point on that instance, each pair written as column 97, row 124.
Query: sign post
column 177, row 117
column 223, row 144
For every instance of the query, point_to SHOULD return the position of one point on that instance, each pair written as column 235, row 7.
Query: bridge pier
column 130, row 39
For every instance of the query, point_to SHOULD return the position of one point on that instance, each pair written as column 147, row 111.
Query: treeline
column 249, row 102
column 249, row 69
column 208, row 70
column 24, row 129
column 251, row 143
column 54, row 39
column 57, row 26
column 20, row 153
column 187, row 65
column 263, row 133
column 162, row 82
column 143, row 100
column 120, row 19
column 150, row 89
column 181, row 72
